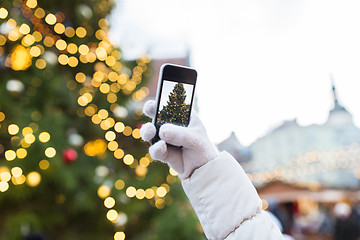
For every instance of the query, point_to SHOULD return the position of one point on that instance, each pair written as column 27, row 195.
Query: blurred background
column 277, row 88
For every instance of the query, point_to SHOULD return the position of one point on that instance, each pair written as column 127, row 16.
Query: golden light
column 48, row 41
column 50, row 152
column 130, row 192
column 161, row 192
column 3, row 13
column 18, row 180
column 127, row 131
column 101, row 53
column 173, row 172
column 141, row 171
column 35, row 51
column 83, row 49
column 50, row 19
column 112, row 215
column 27, row 130
column 128, row 159
column 63, row 59
column 33, row 179
column 113, row 76
column 16, row 171
column 104, row 88
column 5, row 176
column 10, row 155
column 29, row 138
column 4, row 186
column 144, row 161
column 111, row 98
column 20, row 58
column 149, row 193
column 119, row 153
column 136, row 133
column 113, row 145
column 91, row 57
column 44, row 164
column 13, row 35
column 59, row 28
column 21, row 153
column 2, row 116
column 110, row 136
column 24, row 29
column 119, row 127
column 31, row 3
column 110, row 61
column 119, row 236
column 39, row 12
column 69, row 32
column 80, row 77
column 72, row 48
column 80, row 32
column 96, row 119
column 103, row 191
column 90, row 110
column 119, row 184
column 103, row 23
column 140, row 193
column 109, row 202
column 60, row 44
column 160, row 203
column 103, row 113
column 2, row 40
column 13, row 129
column 40, row 63
column 96, row 147
column 73, row 61
column 44, row 137
column 100, row 34
column 265, row 204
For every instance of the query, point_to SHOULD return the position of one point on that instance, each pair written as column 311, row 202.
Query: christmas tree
column 176, row 110
column 72, row 164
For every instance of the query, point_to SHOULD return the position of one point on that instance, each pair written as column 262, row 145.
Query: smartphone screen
column 175, row 96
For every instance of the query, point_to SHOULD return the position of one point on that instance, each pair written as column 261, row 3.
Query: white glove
column 196, row 149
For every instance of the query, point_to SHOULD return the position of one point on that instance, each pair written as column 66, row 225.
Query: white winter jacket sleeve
column 227, row 203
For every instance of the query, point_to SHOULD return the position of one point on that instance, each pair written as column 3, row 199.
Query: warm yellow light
column 91, row 57
column 100, row 34
column 90, row 110
column 35, row 51
column 83, row 49
column 172, row 172
column 3, row 13
column 96, row 119
column 39, row 12
column 130, row 192
column 103, row 191
column 29, row 138
column 73, row 61
column 40, row 63
column 48, row 41
column 16, row 171
column 161, row 192
column 63, row 59
column 24, row 29
column 149, row 193
column 72, row 48
column 128, row 159
column 80, row 32
column 160, row 203
column 5, row 176
column 2, row 40
column 33, row 179
column 140, row 193
column 136, row 133
column 13, row 129
column 110, row 136
column 50, row 19
column 69, row 31
column 80, row 77
column 101, row 53
column 103, row 113
column 20, row 58
column 2, row 116
column 119, row 153
column 4, row 186
column 119, row 236
column 31, row 3
column 44, row 164
column 109, row 202
column 127, row 131
column 50, row 152
column 10, row 155
column 104, row 88
column 112, row 215
column 141, row 171
column 110, row 61
column 18, row 180
column 44, row 137
column 13, row 35
column 60, row 44
column 119, row 127
column 59, row 28
column 21, row 153
column 119, row 184
column 27, row 130
column 113, row 145
column 111, row 98
column 103, row 23
column 96, row 147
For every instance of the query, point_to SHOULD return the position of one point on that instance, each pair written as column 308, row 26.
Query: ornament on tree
column 69, row 155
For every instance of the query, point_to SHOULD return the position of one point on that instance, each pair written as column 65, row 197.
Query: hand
column 196, row 149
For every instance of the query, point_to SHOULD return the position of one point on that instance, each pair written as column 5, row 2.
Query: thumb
column 178, row 136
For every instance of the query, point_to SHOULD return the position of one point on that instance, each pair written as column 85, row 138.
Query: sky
column 259, row 62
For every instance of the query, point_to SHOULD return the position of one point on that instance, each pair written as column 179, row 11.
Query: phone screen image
column 175, row 103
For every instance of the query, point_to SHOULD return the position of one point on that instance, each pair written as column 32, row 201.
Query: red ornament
column 69, row 155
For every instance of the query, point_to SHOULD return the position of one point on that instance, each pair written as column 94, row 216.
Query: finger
column 158, row 151
column 147, row 131
column 149, row 108
column 179, row 136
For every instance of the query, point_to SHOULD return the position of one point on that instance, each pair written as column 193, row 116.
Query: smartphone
column 174, row 97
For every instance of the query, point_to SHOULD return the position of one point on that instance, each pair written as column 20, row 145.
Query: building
column 314, row 156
